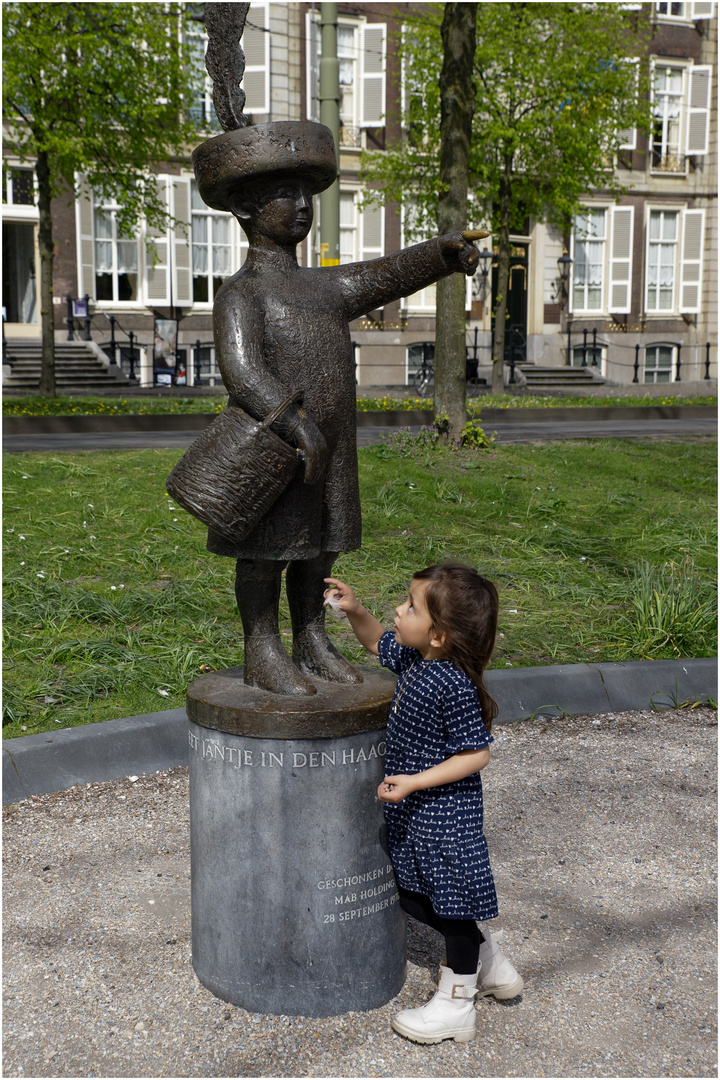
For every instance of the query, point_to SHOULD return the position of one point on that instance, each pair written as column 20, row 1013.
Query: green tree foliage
column 93, row 89
column 556, row 85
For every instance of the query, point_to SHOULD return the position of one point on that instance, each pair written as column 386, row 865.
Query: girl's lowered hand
column 396, row 788
column 341, row 596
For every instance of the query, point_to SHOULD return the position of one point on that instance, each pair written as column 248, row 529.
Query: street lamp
column 485, row 262
column 562, row 291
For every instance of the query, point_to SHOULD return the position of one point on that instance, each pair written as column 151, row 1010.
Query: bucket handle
column 280, row 409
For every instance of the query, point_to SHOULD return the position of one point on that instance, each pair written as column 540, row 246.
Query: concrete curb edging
column 111, row 424
column 54, row 761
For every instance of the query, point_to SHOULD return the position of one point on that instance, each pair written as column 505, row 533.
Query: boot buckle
column 462, row 991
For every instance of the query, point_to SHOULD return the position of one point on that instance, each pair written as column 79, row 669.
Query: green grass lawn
column 602, row 550
column 176, row 403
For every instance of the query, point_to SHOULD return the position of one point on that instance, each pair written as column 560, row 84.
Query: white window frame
column 423, row 302
column 628, row 136
column 649, row 244
column 238, row 248
column 259, row 15
column 654, row 370
column 680, row 157
column 365, row 34
column 109, row 209
column 685, row 15
column 617, row 262
column 574, row 240
column 689, row 246
column 13, row 209
column 691, row 12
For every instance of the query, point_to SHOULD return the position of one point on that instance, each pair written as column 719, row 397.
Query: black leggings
column 462, row 936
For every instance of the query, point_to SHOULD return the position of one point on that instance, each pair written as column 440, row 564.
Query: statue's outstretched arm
column 369, row 285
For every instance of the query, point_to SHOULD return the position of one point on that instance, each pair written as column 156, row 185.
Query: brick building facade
column 642, row 295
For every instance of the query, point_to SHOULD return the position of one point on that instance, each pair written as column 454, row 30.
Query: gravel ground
column 602, row 833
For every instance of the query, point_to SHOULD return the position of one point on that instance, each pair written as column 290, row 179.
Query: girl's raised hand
column 340, row 596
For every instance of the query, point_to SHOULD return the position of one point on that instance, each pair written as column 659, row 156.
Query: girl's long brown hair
column 463, row 607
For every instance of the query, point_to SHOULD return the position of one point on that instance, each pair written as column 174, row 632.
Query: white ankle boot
column 498, row 976
column 450, row 1014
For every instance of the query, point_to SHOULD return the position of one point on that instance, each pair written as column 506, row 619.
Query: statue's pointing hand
column 459, row 253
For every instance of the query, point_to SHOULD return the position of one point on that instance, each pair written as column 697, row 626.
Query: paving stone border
column 57, row 760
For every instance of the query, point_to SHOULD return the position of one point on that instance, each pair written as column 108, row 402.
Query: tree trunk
column 502, row 293
column 457, row 93
column 47, row 258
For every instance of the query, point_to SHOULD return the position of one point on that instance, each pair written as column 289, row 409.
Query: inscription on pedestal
column 359, row 895
column 249, row 757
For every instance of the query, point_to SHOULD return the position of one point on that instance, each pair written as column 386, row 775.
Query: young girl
column 438, row 739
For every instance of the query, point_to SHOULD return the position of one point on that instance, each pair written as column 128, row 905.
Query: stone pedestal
column 294, row 903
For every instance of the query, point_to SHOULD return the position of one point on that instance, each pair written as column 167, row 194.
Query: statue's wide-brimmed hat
column 262, row 151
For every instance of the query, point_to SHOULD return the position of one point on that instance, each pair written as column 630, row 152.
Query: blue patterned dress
column 436, row 836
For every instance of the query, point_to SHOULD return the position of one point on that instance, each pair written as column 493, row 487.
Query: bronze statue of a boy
column 280, row 327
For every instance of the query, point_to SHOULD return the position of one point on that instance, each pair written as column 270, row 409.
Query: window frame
column 651, row 209
column 655, row 166
column 673, row 363
column 112, row 206
column 204, row 96
column 606, row 208
column 238, row 246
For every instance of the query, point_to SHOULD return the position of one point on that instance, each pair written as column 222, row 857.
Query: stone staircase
column 78, row 370
column 561, row 378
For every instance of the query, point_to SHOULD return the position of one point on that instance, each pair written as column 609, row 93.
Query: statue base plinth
column 294, row 903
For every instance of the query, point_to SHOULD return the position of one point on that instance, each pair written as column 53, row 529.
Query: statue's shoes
column 315, row 654
column 269, row 667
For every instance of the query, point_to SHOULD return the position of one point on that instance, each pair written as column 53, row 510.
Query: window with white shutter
column 256, row 46
column 627, row 137
column 373, row 51
column 313, row 46
column 693, row 227
column 698, row 125
column 703, row 10
column 182, row 276
column 372, row 227
column 157, row 256
column 86, row 246
column 621, row 243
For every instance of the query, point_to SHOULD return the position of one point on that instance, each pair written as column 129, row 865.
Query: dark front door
column 516, row 315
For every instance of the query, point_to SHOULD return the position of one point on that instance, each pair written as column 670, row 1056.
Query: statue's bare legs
column 313, row 652
column 267, row 665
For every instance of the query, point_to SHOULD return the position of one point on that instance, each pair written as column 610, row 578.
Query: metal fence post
column 132, row 354
column 637, row 363
column 69, row 319
column 88, row 335
column 677, row 371
column 113, row 343
column 196, row 363
column 707, row 360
